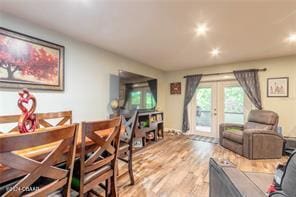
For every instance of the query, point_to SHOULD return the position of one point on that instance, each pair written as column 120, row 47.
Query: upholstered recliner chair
column 257, row 139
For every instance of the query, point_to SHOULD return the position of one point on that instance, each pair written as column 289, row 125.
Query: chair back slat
column 44, row 190
column 106, row 148
column 91, row 127
column 44, row 123
column 98, row 164
column 15, row 141
column 130, row 127
column 9, row 119
column 42, row 119
column 62, row 141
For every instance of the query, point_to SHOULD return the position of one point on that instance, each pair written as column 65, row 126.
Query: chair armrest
column 253, row 132
column 224, row 126
column 278, row 194
column 262, row 144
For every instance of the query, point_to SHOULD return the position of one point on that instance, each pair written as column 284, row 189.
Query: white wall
column 276, row 67
column 87, row 76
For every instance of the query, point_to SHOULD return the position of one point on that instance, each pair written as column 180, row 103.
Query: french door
column 215, row 103
column 204, row 110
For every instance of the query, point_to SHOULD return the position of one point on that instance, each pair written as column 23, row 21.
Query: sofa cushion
column 254, row 125
column 234, row 135
column 262, row 180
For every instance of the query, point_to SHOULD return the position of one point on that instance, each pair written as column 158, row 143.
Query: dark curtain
column 191, row 85
column 128, row 90
column 249, row 81
column 153, row 88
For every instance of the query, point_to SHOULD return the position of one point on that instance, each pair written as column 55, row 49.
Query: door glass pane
column 204, row 109
column 234, row 105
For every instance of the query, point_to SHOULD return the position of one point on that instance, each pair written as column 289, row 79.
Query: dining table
column 40, row 152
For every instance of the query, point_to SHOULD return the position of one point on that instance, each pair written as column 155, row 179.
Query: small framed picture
column 278, row 87
column 175, row 88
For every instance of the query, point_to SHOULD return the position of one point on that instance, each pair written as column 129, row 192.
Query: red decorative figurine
column 27, row 122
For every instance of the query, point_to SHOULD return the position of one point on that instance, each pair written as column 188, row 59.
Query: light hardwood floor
column 178, row 166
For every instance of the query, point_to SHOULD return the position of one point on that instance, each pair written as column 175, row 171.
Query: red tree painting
column 27, row 59
column 26, row 62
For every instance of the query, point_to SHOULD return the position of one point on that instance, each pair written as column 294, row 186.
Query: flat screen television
column 137, row 92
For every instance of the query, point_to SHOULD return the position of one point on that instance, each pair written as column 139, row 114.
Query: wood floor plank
column 178, row 166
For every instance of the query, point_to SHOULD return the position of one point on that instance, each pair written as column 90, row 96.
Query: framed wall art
column 278, row 87
column 175, row 88
column 28, row 62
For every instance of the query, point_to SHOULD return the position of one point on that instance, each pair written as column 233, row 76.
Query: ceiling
column 161, row 33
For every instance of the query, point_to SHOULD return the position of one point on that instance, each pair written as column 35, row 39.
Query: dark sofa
column 228, row 181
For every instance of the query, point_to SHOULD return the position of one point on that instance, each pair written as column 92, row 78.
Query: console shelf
column 149, row 128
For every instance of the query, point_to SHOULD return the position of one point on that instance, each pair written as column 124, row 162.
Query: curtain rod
column 224, row 73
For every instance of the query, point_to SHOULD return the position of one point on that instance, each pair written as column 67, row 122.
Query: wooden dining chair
column 40, row 177
column 43, row 120
column 126, row 143
column 63, row 118
column 100, row 164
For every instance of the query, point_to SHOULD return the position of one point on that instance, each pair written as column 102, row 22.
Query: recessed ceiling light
column 201, row 29
column 292, row 38
column 215, row 52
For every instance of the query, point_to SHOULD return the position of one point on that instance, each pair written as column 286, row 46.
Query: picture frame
column 278, row 87
column 29, row 62
column 175, row 88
